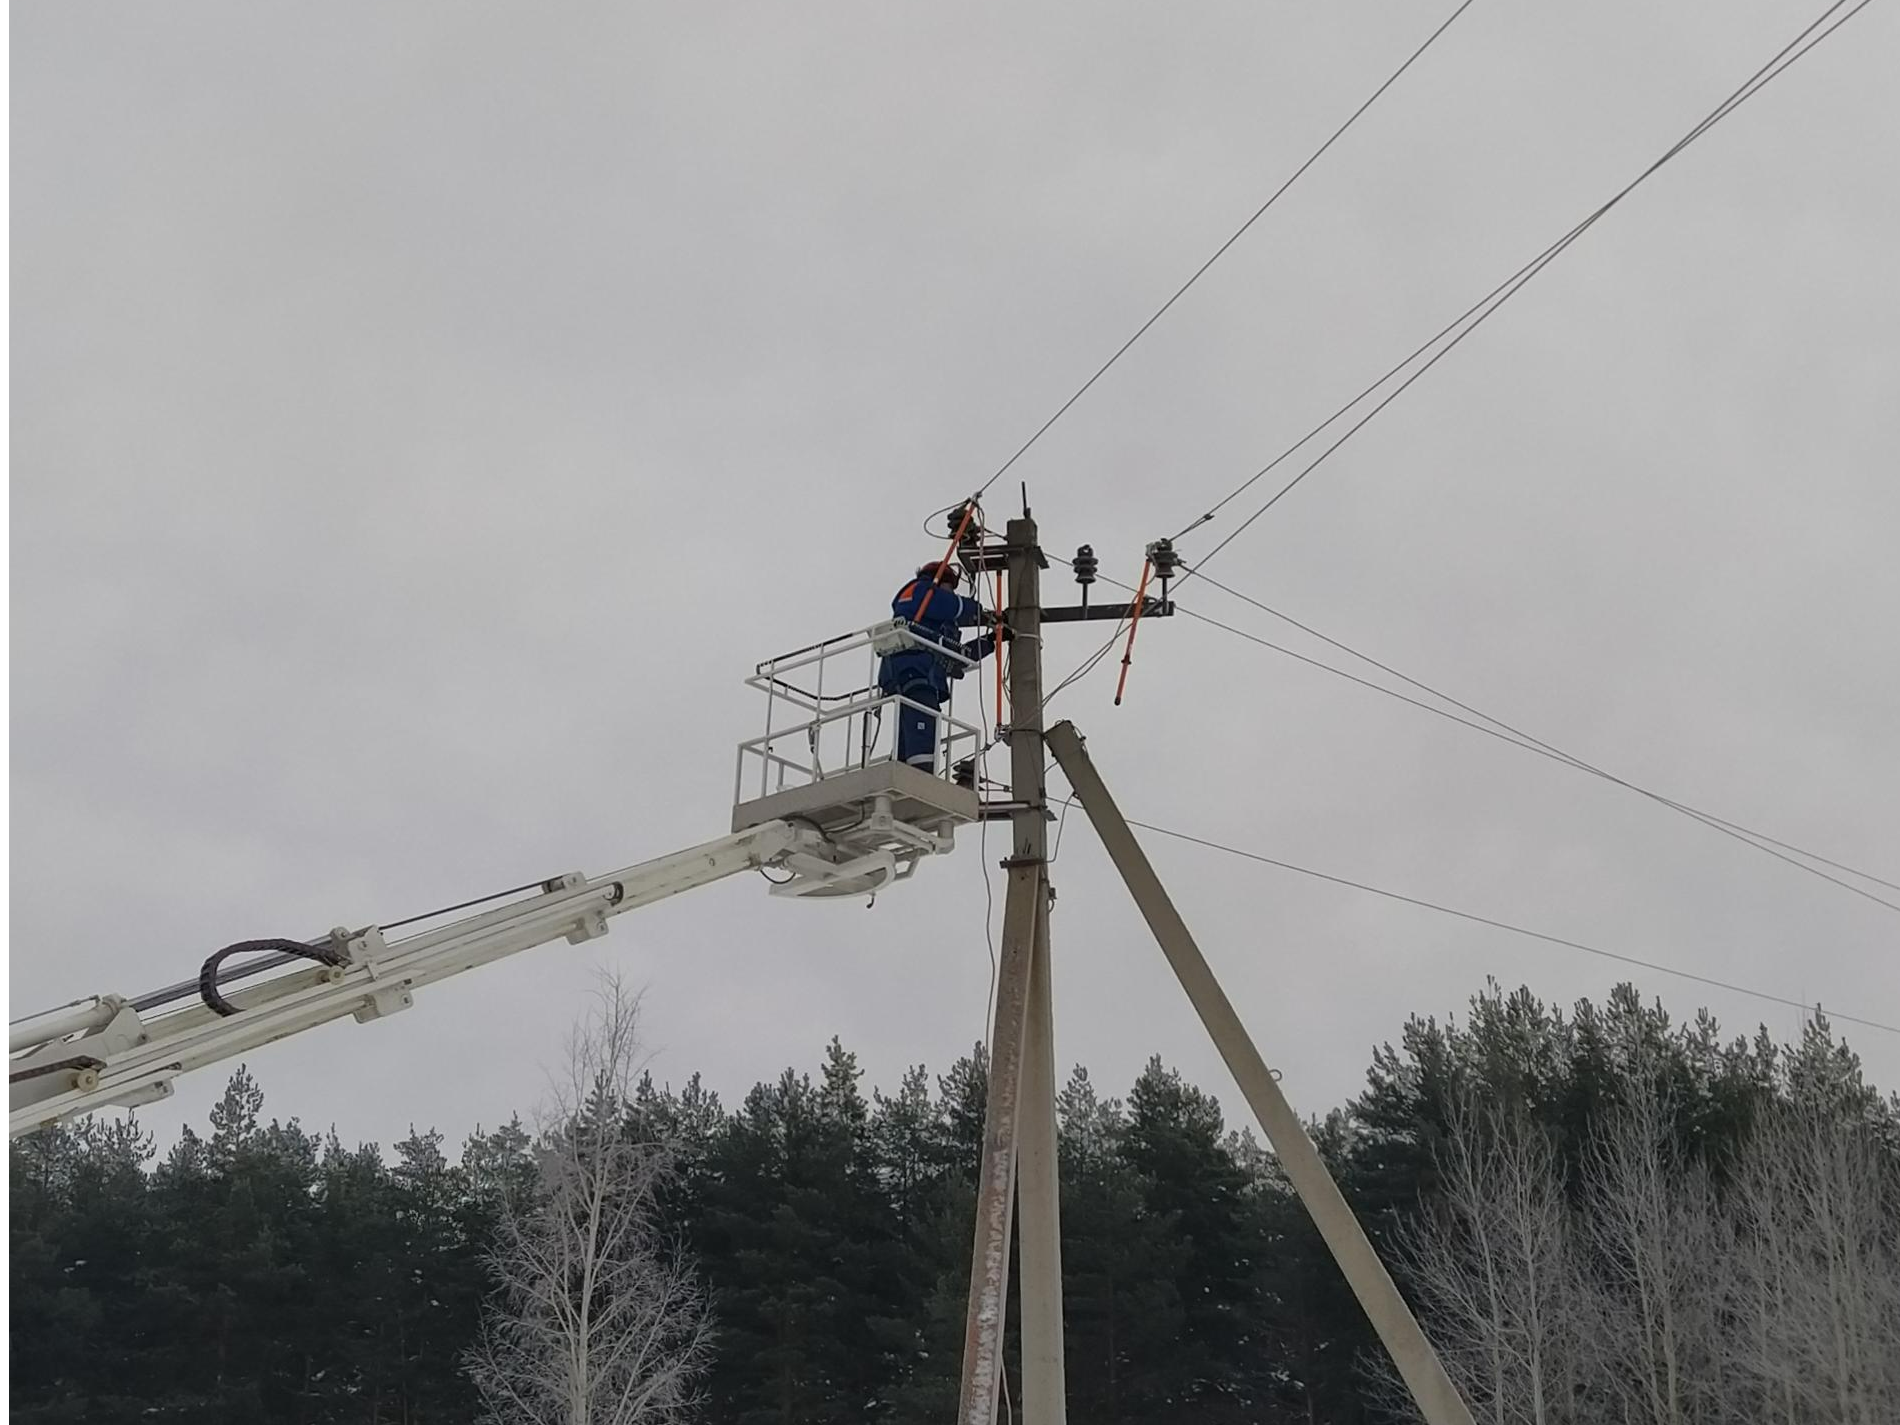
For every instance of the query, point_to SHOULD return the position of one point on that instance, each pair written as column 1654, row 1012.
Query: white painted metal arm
column 103, row 1052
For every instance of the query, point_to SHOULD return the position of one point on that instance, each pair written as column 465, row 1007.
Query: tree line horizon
column 260, row 1272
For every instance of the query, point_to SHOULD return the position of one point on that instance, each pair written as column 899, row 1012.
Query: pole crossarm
column 1424, row 1374
column 1098, row 613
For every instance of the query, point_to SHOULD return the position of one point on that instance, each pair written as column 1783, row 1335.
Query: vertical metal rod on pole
column 1038, row 1199
column 996, row 1171
column 1019, row 1117
column 1424, row 1375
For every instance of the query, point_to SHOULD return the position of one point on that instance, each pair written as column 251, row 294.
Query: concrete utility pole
column 1019, row 1144
column 1018, row 1168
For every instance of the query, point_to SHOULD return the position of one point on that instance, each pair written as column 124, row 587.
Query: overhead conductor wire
column 1475, row 315
column 1221, row 251
column 1528, row 742
column 1516, row 737
column 1483, row 309
column 1557, row 940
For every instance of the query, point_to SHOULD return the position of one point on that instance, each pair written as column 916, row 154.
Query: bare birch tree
column 1493, row 1265
column 1661, row 1251
column 595, row 1318
column 1818, row 1274
column 1655, row 1297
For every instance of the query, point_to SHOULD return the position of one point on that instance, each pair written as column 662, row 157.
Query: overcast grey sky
column 424, row 415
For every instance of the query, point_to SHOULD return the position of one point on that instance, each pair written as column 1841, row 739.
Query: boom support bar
column 121, row 1059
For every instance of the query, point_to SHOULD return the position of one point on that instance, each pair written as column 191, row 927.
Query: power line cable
column 1762, row 77
column 1475, row 315
column 1507, row 289
column 1495, row 924
column 1219, row 252
column 1518, row 739
column 1502, row 731
column 1087, row 666
column 1711, row 822
column 1297, row 657
column 1522, row 738
column 1728, row 830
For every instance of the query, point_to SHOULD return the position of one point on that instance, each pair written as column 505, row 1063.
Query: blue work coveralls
column 919, row 674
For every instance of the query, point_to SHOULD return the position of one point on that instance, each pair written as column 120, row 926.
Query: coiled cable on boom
column 208, row 975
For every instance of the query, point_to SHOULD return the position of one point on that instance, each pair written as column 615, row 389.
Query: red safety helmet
column 940, row 570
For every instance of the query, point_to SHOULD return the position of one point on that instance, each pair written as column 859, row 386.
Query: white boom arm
column 104, row 1052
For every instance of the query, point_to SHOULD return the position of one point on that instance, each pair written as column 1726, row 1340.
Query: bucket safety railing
column 825, row 714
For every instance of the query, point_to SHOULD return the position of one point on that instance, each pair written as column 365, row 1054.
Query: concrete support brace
column 1418, row 1363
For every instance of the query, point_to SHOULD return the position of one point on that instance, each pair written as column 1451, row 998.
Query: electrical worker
column 935, row 611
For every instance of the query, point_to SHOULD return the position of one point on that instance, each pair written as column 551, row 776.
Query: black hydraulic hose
column 296, row 949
